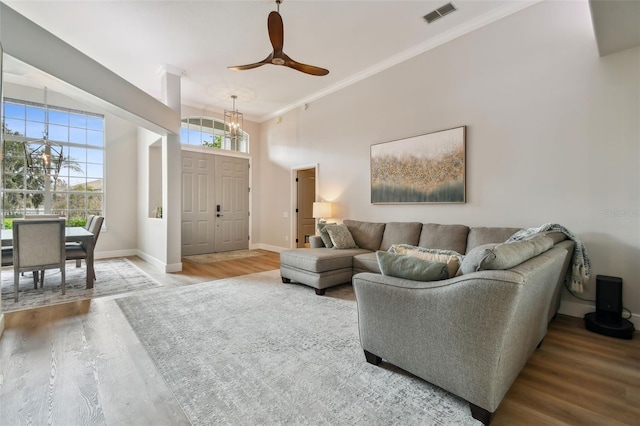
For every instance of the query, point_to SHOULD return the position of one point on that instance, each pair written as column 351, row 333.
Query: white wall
column 552, row 136
column 151, row 233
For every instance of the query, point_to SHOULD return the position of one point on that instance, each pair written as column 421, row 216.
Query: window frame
column 217, row 130
column 93, row 143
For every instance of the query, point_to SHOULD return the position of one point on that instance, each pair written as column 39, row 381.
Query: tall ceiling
column 353, row 39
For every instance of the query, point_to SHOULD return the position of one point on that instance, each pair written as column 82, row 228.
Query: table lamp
column 321, row 211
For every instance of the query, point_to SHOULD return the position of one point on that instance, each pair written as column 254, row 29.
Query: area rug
column 250, row 350
column 114, row 276
column 227, row 255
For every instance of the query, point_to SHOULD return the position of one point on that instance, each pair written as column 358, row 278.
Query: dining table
column 75, row 234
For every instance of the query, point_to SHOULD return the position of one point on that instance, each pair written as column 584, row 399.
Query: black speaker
column 608, row 299
column 607, row 319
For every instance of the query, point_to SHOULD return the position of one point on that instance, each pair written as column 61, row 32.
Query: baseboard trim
column 173, row 267
column 579, row 310
column 166, row 267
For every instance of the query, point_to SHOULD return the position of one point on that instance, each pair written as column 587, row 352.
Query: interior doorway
column 305, row 196
column 215, row 203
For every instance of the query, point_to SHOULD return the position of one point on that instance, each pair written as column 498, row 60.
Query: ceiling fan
column 278, row 57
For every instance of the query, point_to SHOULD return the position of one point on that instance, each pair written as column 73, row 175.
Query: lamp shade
column 321, row 209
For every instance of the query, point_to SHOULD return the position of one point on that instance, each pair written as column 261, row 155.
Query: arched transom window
column 209, row 132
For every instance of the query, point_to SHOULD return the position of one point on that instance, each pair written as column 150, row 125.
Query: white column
column 171, row 176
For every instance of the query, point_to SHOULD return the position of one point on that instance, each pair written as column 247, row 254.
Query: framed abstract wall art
column 422, row 169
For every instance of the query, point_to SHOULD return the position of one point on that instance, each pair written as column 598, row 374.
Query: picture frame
column 429, row 168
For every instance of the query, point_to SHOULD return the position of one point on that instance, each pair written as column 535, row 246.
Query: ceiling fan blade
column 307, row 69
column 266, row 60
column 276, row 31
column 246, row 67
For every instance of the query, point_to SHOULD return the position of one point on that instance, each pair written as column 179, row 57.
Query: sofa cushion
column 411, row 268
column 555, row 236
column 400, row 233
column 366, row 262
column 450, row 257
column 505, row 255
column 367, row 235
column 444, row 237
column 340, row 236
column 324, row 235
column 540, row 243
column 479, row 236
column 319, row 259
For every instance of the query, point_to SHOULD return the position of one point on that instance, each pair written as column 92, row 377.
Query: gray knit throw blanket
column 581, row 266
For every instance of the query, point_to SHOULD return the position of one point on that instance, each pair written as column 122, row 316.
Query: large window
column 73, row 191
column 206, row 131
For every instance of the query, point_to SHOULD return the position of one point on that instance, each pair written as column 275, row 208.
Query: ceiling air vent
column 440, row 12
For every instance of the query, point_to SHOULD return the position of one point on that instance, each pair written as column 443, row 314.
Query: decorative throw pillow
column 324, row 235
column 411, row 268
column 471, row 261
column 450, row 257
column 340, row 236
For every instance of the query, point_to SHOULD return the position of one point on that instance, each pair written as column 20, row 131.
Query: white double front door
column 215, row 203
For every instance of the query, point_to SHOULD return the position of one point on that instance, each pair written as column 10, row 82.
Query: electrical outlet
column 285, row 214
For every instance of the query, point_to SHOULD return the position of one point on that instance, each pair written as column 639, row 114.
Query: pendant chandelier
column 42, row 155
column 233, row 124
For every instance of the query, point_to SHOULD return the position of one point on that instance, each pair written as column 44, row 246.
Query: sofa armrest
column 315, row 241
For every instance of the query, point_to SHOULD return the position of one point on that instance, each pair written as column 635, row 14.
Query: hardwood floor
column 81, row 363
column 576, row 378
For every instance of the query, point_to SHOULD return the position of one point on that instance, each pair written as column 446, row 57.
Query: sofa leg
column 285, row 280
column 480, row 414
column 320, row 291
column 371, row 358
column 540, row 344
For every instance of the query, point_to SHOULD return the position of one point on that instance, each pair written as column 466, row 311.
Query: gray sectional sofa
column 470, row 334
column 321, row 267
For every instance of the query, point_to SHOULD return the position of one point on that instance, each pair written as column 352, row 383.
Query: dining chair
column 89, row 220
column 38, row 244
column 87, row 226
column 78, row 251
column 34, row 217
column 41, row 216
